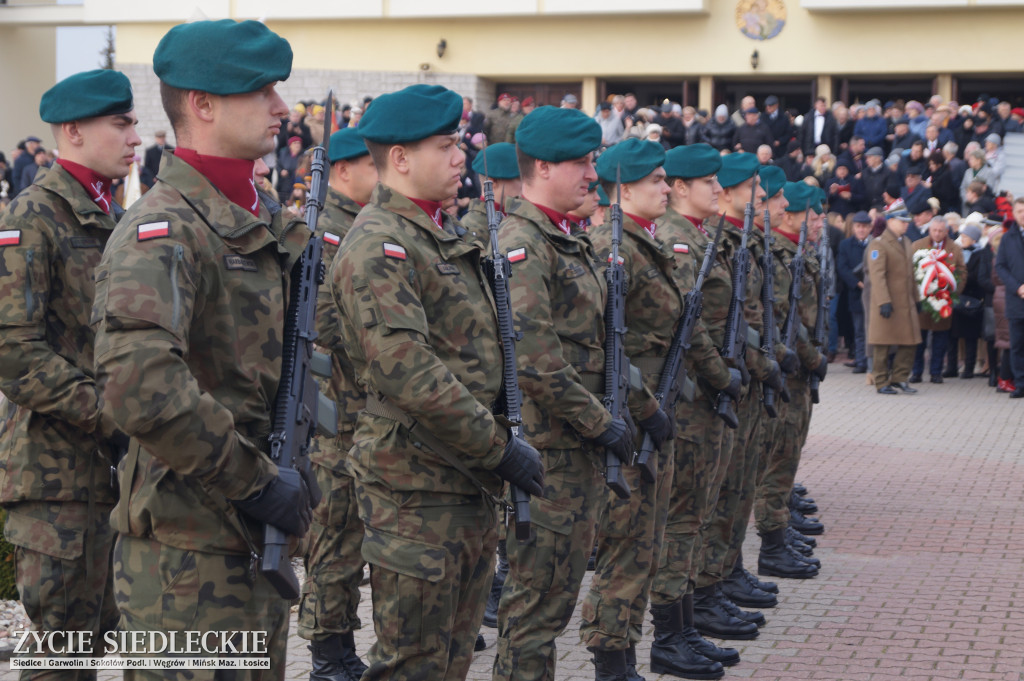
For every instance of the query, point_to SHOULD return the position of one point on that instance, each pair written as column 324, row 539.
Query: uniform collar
column 231, row 176
column 95, row 185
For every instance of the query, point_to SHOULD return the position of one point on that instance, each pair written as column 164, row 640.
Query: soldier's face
column 363, row 178
column 897, row 226
column 508, row 189
column 247, row 123
column 777, row 206
column 589, row 205
column 108, row 143
column 648, row 197
column 571, row 181
column 702, row 196
column 435, row 167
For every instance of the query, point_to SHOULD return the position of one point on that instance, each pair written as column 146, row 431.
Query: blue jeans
column 940, row 341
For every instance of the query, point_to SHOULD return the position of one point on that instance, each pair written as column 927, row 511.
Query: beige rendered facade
column 693, row 51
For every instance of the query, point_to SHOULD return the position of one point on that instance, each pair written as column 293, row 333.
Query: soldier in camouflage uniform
column 782, row 450
column 558, row 297
column 419, row 322
column 499, row 122
column 714, row 614
column 700, row 433
column 632, row 530
column 189, row 314
column 496, row 162
column 57, row 450
column 334, row 566
column 583, row 216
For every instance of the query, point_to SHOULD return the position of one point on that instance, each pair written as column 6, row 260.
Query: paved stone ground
column 923, row 552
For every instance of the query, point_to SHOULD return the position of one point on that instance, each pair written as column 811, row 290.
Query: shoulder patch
column 681, row 248
column 394, row 251
column 238, row 262
column 11, row 237
column 153, row 230
column 874, row 254
column 332, row 239
column 517, row 255
column 85, row 242
column 621, row 259
column 447, row 268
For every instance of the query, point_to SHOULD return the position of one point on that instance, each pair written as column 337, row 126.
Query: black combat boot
column 741, row 591
column 631, row 673
column 671, row 653
column 804, row 525
column 754, row 616
column 793, row 534
column 609, row 665
column 803, row 549
column 497, row 584
column 727, row 656
column 778, row 559
column 335, row 659
column 803, row 504
column 711, row 619
column 800, row 489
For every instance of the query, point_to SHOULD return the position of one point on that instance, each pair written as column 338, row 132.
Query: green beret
column 501, row 162
column 737, row 168
column 346, row 144
column 634, row 158
column 818, row 202
column 412, row 114
column 223, row 57
column 772, row 179
column 602, row 197
column 692, row 160
column 799, row 196
column 85, row 95
column 553, row 134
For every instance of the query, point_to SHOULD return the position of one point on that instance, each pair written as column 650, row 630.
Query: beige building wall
column 29, row 56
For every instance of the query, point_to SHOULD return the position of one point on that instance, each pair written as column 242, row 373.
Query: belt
column 421, row 437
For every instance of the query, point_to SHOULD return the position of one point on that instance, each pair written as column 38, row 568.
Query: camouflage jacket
column 784, row 251
column 688, row 245
column 654, row 301
column 189, row 314
column 757, row 363
column 339, row 213
column 475, row 224
column 51, row 449
column 418, row 320
column 558, row 295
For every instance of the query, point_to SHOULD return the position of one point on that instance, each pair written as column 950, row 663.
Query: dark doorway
column 860, row 90
column 967, row 90
column 542, row 93
column 653, row 93
column 792, row 94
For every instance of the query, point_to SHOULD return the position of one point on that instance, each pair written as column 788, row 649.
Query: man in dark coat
column 850, row 267
column 778, row 124
column 820, row 127
column 1010, row 268
column 151, row 165
column 875, row 178
column 752, row 134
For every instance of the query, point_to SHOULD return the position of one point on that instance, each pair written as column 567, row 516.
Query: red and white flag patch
column 11, row 237
column 394, row 251
column 153, row 230
column 332, row 239
column 517, row 255
column 681, row 248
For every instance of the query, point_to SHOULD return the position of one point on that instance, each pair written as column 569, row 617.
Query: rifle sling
column 420, row 437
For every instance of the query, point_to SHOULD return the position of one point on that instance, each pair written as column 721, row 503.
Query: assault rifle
column 736, row 328
column 796, row 267
column 769, row 331
column 498, row 271
column 299, row 407
column 673, row 381
column 825, row 284
column 616, row 363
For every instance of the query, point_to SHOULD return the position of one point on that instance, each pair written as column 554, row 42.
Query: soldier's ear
column 69, row 132
column 398, row 157
column 201, row 104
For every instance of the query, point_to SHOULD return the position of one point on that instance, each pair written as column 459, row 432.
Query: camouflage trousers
column 431, row 559
column 162, row 588
column 728, row 522
column 546, row 570
column 698, row 449
column 782, row 456
column 62, row 570
column 629, row 542
column 334, row 565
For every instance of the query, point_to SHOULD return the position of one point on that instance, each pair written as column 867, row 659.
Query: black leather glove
column 521, row 466
column 659, row 426
column 283, row 503
column 918, row 305
column 790, row 362
column 774, row 378
column 885, row 310
column 618, row 439
column 822, row 367
column 735, row 384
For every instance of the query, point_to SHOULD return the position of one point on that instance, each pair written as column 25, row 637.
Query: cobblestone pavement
column 923, row 552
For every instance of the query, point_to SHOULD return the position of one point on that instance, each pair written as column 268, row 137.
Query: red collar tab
column 560, row 220
column 232, row 176
column 95, row 184
column 433, row 210
column 648, row 226
column 699, row 224
column 735, row 222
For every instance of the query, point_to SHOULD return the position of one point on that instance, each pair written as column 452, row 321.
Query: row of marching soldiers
column 672, row 544
column 142, row 350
